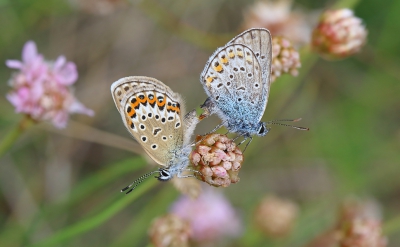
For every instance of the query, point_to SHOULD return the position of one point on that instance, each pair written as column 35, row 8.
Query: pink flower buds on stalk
column 218, row 159
column 42, row 89
column 211, row 217
column 339, row 34
column 276, row 216
column 169, row 231
column 285, row 59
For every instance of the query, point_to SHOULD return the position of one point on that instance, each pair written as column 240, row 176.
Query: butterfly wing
column 260, row 42
column 233, row 79
column 152, row 114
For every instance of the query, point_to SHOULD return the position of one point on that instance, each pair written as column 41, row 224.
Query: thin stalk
column 13, row 135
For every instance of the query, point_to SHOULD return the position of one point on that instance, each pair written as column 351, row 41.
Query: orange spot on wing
column 162, row 103
column 151, row 101
column 174, row 109
column 218, row 68
column 224, row 60
column 132, row 112
column 231, row 54
column 209, row 79
column 144, row 100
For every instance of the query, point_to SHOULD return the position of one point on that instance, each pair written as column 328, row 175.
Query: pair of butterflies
column 237, row 80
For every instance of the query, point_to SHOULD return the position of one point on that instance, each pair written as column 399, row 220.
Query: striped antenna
column 277, row 122
column 138, row 181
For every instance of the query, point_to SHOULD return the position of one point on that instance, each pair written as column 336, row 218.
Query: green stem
column 13, row 135
column 91, row 223
column 392, row 226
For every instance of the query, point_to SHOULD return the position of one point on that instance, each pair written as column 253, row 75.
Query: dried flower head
column 276, row 216
column 41, row 89
column 169, row 231
column 279, row 18
column 362, row 232
column 338, row 34
column 211, row 216
column 358, row 225
column 285, row 58
column 218, row 159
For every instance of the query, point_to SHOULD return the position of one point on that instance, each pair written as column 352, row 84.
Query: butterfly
column 154, row 115
column 237, row 80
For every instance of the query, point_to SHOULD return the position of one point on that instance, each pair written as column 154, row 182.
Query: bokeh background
column 61, row 187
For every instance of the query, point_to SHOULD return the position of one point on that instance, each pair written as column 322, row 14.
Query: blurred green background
column 61, row 187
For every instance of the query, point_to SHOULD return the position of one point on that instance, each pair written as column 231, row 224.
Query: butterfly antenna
column 138, row 181
column 284, row 120
column 287, row 125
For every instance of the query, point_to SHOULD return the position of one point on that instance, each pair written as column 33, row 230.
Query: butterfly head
column 262, row 129
column 165, row 174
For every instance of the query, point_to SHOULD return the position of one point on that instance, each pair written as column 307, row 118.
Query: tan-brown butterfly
column 153, row 114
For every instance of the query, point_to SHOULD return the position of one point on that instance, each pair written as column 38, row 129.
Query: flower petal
column 29, row 52
column 78, row 107
column 14, row 64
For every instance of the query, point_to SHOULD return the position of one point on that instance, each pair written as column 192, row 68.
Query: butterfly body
column 237, row 80
column 153, row 114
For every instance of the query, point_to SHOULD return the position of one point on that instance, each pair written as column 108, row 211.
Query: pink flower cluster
column 42, row 89
column 211, row 216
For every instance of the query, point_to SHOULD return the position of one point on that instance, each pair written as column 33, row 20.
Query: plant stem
column 392, row 226
column 13, row 135
column 71, row 232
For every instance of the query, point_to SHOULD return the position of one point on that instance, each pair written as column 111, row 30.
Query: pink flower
column 211, row 216
column 280, row 19
column 42, row 89
column 339, row 34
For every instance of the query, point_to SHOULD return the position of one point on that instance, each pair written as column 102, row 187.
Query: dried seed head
column 218, row 159
column 276, row 216
column 169, row 231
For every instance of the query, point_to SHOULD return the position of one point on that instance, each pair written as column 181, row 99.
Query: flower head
column 41, row 89
column 280, row 19
column 358, row 225
column 338, row 34
column 218, row 159
column 285, row 58
column 362, row 232
column 276, row 216
column 169, row 231
column 210, row 216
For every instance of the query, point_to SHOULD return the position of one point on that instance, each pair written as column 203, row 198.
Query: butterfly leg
column 251, row 139
column 189, row 176
column 245, row 138
column 212, row 131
